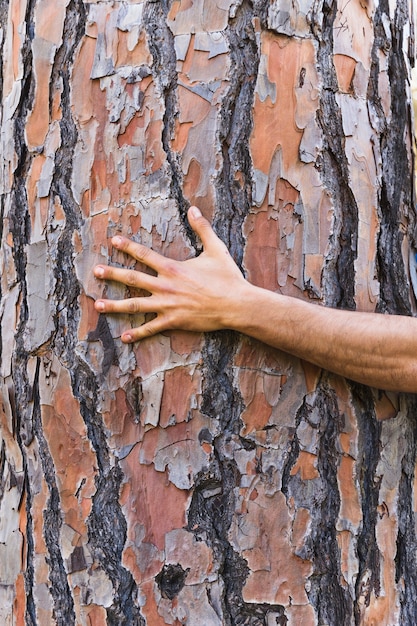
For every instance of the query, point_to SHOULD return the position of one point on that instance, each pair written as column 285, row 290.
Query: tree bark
column 202, row 480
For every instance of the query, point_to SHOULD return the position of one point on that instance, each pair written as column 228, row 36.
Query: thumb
column 203, row 229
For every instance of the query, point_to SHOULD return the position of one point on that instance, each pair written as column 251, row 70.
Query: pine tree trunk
column 202, row 480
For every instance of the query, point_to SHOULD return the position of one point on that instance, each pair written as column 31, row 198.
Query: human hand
column 201, row 294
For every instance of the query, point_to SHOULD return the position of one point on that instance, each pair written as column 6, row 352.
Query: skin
column 209, row 293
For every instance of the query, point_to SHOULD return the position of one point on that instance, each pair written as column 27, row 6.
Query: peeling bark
column 202, row 480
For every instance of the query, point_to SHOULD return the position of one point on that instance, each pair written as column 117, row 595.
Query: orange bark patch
column 96, row 615
column 37, row 122
column 136, row 56
column 274, row 122
column 19, row 605
column 350, row 508
column 120, row 419
column 183, row 342
column 384, row 407
column 89, row 317
column 261, row 250
column 345, row 70
column 84, row 89
column 150, row 608
column 179, row 389
column 306, row 464
column 148, row 489
column 256, row 414
column 276, row 573
column 273, row 254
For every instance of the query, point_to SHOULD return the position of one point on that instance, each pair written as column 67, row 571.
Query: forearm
column 208, row 293
column 374, row 349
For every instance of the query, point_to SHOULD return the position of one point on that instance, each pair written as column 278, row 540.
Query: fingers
column 130, row 305
column 149, row 329
column 128, row 277
column 140, row 253
column 203, row 228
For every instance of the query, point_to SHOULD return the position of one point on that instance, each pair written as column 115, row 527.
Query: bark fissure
column 396, row 182
column 106, row 518
column 234, row 182
column 405, row 559
column 106, row 521
column 322, row 543
column 52, row 517
column 368, row 579
column 30, row 609
column 339, row 286
column 67, row 289
column 220, row 398
column 161, row 45
column 20, row 229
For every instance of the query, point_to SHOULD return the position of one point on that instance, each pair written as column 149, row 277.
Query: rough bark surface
column 202, row 480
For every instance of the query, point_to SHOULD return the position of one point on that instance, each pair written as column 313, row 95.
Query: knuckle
column 172, row 268
column 131, row 278
column 148, row 330
column 133, row 306
column 142, row 252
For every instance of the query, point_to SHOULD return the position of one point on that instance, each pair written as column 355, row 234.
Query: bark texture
column 202, row 480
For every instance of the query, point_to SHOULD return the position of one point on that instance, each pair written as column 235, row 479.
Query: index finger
column 139, row 252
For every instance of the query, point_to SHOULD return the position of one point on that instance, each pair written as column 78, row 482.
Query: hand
column 200, row 294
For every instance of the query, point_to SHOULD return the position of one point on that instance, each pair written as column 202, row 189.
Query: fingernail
column 127, row 338
column 99, row 271
column 117, row 241
column 100, row 305
column 195, row 212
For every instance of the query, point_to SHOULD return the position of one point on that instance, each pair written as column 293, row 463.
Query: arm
column 209, row 293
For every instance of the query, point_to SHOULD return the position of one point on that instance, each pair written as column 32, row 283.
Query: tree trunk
column 202, row 480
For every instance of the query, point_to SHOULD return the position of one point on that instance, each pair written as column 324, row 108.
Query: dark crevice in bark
column 161, row 46
column 59, row 589
column 396, row 201
column 67, row 288
column 340, row 272
column 322, row 545
column 170, row 580
column 19, row 225
column 368, row 578
column 293, row 448
column 106, row 523
column 322, row 498
column 107, row 529
column 234, row 182
column 405, row 558
column 85, row 388
column 209, row 516
column 30, row 611
column 220, row 398
column 396, row 180
column 19, row 214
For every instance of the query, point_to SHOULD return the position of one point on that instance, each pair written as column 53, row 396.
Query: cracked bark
column 202, row 480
